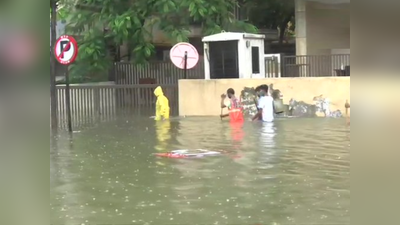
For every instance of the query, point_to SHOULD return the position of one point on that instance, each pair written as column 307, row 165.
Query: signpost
column 184, row 56
column 66, row 51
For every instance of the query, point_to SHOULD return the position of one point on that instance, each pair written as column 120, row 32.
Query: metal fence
column 91, row 104
column 272, row 67
column 316, row 65
column 155, row 73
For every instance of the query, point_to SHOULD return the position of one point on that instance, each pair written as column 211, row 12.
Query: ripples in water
column 291, row 171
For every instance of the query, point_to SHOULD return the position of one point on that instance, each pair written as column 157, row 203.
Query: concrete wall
column 322, row 27
column 328, row 27
column 202, row 97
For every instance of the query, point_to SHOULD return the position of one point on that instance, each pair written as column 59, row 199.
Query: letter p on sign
column 66, row 50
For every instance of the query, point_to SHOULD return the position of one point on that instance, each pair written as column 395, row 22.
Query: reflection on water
column 291, row 171
column 163, row 134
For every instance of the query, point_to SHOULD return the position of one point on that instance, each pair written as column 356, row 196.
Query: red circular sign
column 66, row 50
column 177, row 55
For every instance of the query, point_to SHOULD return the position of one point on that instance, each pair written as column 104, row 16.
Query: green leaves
column 104, row 25
column 269, row 13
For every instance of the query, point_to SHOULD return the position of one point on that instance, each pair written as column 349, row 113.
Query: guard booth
column 229, row 55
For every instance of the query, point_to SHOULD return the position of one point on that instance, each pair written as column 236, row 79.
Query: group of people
column 265, row 106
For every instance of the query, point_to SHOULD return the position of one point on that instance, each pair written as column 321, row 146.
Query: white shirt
column 266, row 103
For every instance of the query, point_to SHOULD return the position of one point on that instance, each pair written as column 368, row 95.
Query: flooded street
column 296, row 171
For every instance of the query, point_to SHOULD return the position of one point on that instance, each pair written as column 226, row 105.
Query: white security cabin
column 229, row 55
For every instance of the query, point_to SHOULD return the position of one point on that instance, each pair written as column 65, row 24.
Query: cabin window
column 255, row 59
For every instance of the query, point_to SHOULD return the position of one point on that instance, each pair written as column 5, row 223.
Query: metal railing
column 272, row 67
column 94, row 103
column 159, row 72
column 316, row 65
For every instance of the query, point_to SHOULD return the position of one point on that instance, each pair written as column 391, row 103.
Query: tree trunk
column 129, row 48
column 117, row 54
column 282, row 28
column 53, row 63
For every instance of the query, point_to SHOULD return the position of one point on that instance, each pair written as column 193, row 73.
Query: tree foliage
column 102, row 26
column 272, row 14
column 62, row 8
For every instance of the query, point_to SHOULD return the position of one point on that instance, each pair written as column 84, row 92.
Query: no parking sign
column 66, row 49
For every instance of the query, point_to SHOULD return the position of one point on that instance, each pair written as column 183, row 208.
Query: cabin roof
column 231, row 36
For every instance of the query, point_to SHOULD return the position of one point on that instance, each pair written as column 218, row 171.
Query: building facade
column 322, row 27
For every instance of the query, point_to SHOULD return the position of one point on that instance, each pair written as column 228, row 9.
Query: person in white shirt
column 265, row 106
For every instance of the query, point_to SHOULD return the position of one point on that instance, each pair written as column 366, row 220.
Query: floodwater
column 295, row 171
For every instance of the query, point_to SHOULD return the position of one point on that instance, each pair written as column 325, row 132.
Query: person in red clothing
column 234, row 107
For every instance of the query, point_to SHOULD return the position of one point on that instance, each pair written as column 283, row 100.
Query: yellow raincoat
column 162, row 104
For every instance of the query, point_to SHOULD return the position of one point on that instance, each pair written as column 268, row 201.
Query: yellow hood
column 158, row 91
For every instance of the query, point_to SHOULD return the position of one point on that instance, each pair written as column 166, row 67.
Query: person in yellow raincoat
column 162, row 105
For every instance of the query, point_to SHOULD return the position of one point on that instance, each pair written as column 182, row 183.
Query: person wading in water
column 234, row 107
column 265, row 106
column 162, row 105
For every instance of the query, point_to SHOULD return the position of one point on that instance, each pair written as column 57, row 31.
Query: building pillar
column 301, row 27
column 207, row 73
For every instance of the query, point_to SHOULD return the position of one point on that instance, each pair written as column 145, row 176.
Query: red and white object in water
column 186, row 153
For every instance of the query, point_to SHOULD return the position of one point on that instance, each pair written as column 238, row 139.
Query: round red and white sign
column 66, row 49
column 177, row 55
